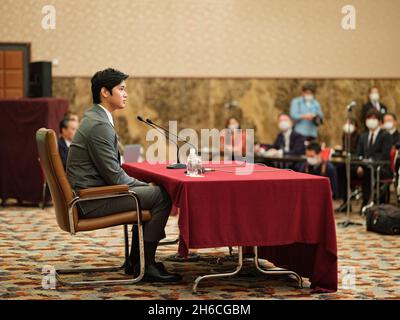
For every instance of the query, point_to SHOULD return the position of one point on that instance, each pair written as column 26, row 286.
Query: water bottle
column 199, row 166
column 193, row 165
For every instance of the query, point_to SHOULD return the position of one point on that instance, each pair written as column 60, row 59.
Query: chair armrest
column 103, row 191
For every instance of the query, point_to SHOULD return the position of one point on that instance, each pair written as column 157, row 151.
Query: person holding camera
column 306, row 111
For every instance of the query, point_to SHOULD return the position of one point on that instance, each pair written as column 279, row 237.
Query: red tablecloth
column 20, row 173
column 288, row 214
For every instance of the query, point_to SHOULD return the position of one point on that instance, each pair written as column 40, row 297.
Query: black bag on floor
column 384, row 219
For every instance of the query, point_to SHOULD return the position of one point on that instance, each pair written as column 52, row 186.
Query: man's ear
column 104, row 92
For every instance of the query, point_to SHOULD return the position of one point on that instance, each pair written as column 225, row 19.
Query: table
column 288, row 215
column 20, row 173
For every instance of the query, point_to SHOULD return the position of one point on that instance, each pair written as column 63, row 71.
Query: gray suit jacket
column 93, row 157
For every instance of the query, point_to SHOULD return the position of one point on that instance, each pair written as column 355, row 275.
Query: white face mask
column 233, row 126
column 313, row 161
column 308, row 97
column 284, row 125
column 388, row 125
column 348, row 128
column 372, row 124
column 374, row 97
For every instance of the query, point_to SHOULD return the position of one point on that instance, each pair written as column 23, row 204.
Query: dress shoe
column 155, row 272
column 160, row 266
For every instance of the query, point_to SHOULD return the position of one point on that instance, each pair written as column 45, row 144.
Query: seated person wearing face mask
column 288, row 142
column 375, row 144
column 373, row 103
column 306, row 112
column 315, row 165
column 390, row 125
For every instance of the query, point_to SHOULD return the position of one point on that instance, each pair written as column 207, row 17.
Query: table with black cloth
column 288, row 215
column 21, row 177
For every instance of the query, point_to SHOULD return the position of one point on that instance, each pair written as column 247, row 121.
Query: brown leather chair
column 66, row 212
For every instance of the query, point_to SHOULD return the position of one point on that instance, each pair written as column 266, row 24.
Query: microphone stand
column 177, row 165
column 150, row 123
column 347, row 147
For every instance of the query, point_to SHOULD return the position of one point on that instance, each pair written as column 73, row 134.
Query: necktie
column 371, row 141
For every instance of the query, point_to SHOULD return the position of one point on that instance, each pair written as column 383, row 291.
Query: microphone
column 351, row 106
column 140, row 118
column 150, row 123
column 168, row 134
column 154, row 127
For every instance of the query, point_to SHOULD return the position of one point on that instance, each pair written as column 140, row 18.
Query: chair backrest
column 60, row 189
column 326, row 154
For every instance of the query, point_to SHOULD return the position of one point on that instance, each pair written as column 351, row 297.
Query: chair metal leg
column 59, row 272
column 366, row 207
column 218, row 275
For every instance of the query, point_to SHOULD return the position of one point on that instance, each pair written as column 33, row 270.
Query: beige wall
column 211, row 38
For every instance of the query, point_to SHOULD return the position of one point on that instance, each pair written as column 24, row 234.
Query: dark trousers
column 365, row 182
column 153, row 198
column 366, row 185
column 342, row 180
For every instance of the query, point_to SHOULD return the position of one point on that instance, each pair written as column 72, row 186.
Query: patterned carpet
column 369, row 264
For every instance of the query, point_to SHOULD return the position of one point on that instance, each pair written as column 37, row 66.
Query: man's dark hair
column 70, row 114
column 64, row 124
column 374, row 113
column 314, row 146
column 309, row 86
column 108, row 78
column 392, row 115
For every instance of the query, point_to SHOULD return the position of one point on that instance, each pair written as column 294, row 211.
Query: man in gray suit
column 94, row 161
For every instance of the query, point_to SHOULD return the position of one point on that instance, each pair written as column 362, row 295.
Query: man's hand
column 152, row 184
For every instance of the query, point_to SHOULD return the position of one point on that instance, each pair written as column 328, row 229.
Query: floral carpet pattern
column 369, row 264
